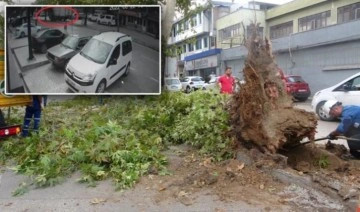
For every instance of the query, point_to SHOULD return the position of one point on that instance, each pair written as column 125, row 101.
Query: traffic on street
column 118, row 56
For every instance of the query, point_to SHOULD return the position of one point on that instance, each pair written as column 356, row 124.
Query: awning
column 203, row 54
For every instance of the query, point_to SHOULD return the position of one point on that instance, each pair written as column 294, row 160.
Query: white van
column 107, row 20
column 103, row 60
column 347, row 92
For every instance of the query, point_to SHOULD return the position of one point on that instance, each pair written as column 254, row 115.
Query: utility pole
column 31, row 56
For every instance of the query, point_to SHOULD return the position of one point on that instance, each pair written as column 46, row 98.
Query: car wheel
column 22, row 34
column 43, row 48
column 101, row 87
column 127, row 70
column 188, row 89
column 320, row 112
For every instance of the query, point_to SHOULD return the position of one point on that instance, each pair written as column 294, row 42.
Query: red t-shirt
column 226, row 84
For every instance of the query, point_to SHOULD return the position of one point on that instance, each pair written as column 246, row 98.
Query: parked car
column 297, row 87
column 22, row 30
column 61, row 54
column 107, row 20
column 172, row 84
column 192, row 83
column 347, row 92
column 212, row 84
column 104, row 59
column 94, row 17
column 47, row 38
column 18, row 21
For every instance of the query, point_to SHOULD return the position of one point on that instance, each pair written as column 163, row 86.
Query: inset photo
column 64, row 49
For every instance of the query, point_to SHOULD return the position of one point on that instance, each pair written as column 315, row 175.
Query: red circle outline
column 75, row 12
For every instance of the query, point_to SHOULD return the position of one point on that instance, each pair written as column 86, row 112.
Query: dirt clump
column 262, row 111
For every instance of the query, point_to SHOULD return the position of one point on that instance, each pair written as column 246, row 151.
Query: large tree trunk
column 262, row 111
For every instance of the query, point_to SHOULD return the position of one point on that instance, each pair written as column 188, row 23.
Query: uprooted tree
column 262, row 111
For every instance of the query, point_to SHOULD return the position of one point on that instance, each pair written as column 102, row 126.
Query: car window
column 82, row 42
column 55, row 33
column 196, row 79
column 116, row 52
column 127, row 47
column 172, row 81
column 295, row 79
column 96, row 50
column 70, row 42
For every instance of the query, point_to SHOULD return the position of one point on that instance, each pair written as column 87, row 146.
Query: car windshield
column 196, row 79
column 96, row 51
column 172, row 81
column 295, row 79
column 70, row 42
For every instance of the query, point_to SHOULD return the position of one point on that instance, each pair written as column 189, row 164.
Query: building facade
column 195, row 39
column 317, row 39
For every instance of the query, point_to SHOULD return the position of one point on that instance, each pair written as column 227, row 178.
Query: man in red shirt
column 227, row 82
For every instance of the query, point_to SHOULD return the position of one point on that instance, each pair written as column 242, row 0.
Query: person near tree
column 33, row 112
column 226, row 82
column 349, row 125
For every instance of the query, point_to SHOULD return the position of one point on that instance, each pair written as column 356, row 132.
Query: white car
column 212, row 84
column 94, row 17
column 347, row 92
column 107, row 20
column 172, row 84
column 104, row 59
column 22, row 30
column 191, row 83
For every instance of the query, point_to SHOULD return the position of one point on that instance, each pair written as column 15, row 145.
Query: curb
column 34, row 65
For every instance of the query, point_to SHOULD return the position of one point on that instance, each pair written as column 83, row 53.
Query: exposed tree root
column 262, row 111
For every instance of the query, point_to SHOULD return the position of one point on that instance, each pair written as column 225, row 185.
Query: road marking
column 154, row 79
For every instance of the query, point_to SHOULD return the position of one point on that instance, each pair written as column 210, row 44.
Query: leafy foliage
column 121, row 139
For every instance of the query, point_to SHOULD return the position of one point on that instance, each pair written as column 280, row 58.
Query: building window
column 213, row 41
column 205, row 42
column 184, row 48
column 281, row 30
column 198, row 44
column 314, row 21
column 348, row 13
column 260, row 31
column 193, row 21
column 186, row 25
column 190, row 47
column 229, row 32
column 200, row 18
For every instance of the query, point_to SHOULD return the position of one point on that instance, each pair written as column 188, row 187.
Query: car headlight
column 89, row 78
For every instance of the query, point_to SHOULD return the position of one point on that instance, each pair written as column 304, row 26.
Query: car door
column 349, row 92
column 112, row 66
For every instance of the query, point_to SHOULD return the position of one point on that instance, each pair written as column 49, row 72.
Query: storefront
column 203, row 64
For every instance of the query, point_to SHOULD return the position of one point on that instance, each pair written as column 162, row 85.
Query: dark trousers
column 31, row 112
column 354, row 145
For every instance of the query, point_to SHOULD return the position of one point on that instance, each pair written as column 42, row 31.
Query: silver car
column 60, row 54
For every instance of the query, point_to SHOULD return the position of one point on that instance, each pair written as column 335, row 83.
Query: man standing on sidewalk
column 32, row 110
column 227, row 82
